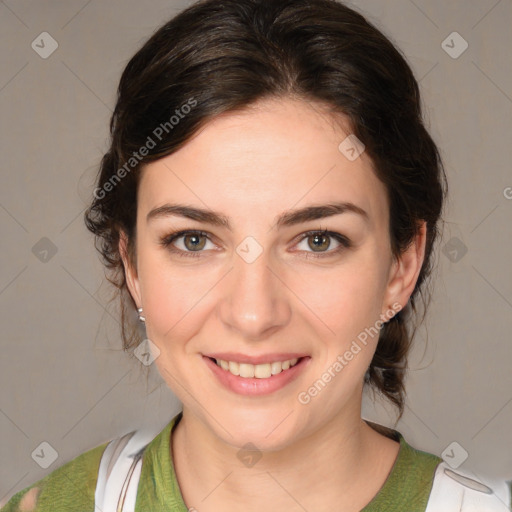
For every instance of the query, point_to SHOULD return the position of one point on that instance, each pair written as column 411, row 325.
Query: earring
column 141, row 318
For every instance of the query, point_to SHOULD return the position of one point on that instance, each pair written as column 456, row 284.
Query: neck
column 345, row 462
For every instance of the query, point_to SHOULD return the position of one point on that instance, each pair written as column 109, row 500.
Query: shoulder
column 410, row 460
column 70, row 487
column 459, row 489
column 450, row 489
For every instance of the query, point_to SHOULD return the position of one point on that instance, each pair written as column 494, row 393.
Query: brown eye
column 186, row 243
column 318, row 244
column 319, row 241
column 194, row 241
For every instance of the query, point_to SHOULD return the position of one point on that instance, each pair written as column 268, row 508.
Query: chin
column 268, row 430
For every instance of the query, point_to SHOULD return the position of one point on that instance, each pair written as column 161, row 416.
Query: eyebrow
column 288, row 218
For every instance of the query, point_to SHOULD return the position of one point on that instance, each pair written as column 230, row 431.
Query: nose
column 255, row 301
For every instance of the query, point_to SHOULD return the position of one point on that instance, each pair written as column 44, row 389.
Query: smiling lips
column 260, row 367
column 256, row 376
column 259, row 371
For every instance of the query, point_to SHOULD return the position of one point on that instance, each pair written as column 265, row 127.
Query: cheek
column 172, row 300
column 347, row 298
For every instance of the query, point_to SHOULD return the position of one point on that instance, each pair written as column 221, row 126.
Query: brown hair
column 221, row 56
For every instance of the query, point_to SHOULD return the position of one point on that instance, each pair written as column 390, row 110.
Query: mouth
column 258, row 371
column 256, row 379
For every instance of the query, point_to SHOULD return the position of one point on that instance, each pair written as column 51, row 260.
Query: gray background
column 64, row 379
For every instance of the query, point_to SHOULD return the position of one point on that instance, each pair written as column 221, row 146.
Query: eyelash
column 167, row 241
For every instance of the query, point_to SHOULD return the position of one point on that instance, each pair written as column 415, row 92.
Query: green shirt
column 71, row 487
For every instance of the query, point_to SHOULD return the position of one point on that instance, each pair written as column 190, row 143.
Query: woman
column 269, row 205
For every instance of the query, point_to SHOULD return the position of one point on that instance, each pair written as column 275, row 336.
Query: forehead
column 276, row 155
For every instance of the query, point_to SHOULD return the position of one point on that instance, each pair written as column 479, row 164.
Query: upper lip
column 262, row 359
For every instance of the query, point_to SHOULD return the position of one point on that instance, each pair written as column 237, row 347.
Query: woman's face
column 252, row 285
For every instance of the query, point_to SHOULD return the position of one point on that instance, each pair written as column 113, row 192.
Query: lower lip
column 254, row 386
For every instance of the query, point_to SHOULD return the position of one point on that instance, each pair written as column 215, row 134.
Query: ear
column 405, row 270
column 132, row 280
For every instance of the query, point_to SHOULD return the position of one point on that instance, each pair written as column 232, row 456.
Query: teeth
column 234, row 368
column 246, row 370
column 275, row 368
column 260, row 371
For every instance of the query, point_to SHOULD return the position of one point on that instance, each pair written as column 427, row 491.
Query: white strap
column 460, row 491
column 119, row 472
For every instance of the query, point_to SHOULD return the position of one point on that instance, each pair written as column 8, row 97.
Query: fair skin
column 251, row 167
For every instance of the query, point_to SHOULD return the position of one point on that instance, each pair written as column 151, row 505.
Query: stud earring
column 141, row 317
